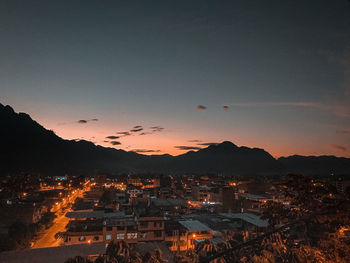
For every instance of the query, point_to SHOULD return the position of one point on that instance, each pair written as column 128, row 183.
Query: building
column 183, row 235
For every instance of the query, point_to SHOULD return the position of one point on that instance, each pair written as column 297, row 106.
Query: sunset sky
column 168, row 76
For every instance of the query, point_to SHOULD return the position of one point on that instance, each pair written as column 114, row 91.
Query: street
column 48, row 238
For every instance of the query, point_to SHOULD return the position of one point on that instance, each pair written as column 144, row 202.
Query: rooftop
column 250, row 218
column 252, row 196
column 168, row 202
column 194, row 225
column 93, row 214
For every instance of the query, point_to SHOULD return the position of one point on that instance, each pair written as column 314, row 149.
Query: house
column 183, row 235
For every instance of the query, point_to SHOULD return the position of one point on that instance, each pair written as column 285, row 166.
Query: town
column 175, row 131
column 182, row 218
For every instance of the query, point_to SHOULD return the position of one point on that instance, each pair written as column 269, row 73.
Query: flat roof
column 93, row 214
column 168, row 202
column 52, row 254
column 252, row 196
column 194, row 225
column 248, row 217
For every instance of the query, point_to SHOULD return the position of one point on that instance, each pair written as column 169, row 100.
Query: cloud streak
column 208, row 143
column 145, row 151
column 136, row 130
column 186, row 148
column 145, row 133
column 155, row 129
column 201, row 107
column 338, row 106
column 225, row 108
column 112, row 137
column 140, row 130
column 343, row 131
column 194, row 140
column 123, row 134
column 271, row 104
column 86, row 121
column 338, row 147
column 115, row 143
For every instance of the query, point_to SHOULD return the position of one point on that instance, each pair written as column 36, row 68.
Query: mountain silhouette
column 27, row 147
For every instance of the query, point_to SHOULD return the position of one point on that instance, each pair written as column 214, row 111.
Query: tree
column 154, row 257
column 107, row 197
column 311, row 229
column 120, row 252
column 77, row 259
column 100, row 259
column 19, row 235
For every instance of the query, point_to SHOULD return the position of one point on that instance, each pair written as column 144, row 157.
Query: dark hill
column 26, row 146
column 316, row 164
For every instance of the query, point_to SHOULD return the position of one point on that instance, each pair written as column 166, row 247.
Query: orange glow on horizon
column 165, row 142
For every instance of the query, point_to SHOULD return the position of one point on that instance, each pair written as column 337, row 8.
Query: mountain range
column 27, row 147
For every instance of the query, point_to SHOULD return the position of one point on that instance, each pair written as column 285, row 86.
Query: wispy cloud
column 140, row 130
column 225, row 108
column 343, row 131
column 271, row 104
column 194, row 141
column 201, row 107
column 338, row 106
column 123, row 134
column 145, row 133
column 208, row 143
column 338, row 147
column 187, row 148
column 86, row 121
column 136, row 129
column 82, row 121
column 156, row 129
column 145, row 151
column 115, row 143
column 112, row 137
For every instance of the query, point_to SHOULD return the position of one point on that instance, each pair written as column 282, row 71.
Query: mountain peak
column 225, row 146
column 27, row 146
column 7, row 109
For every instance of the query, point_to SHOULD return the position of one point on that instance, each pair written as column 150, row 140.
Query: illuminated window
column 120, row 236
column 132, row 235
column 82, row 238
column 182, row 243
column 108, row 237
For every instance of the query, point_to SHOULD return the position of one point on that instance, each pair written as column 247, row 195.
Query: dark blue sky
column 282, row 68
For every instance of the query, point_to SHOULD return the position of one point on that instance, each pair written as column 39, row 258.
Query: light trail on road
column 48, row 238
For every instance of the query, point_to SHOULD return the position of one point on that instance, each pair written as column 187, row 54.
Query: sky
column 169, row 76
